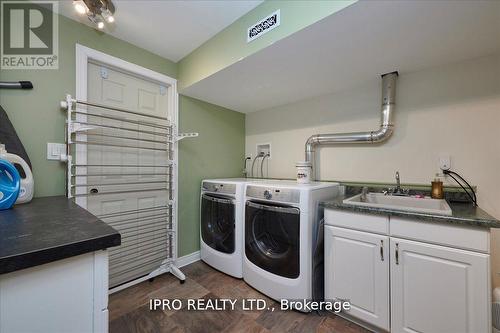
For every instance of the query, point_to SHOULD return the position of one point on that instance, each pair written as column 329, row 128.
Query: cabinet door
column 55, row 297
column 357, row 270
column 438, row 289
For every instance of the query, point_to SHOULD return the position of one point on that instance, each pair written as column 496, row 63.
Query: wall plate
column 55, row 151
column 444, row 162
column 104, row 72
column 264, row 149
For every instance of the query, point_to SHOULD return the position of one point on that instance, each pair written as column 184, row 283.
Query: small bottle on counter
column 437, row 191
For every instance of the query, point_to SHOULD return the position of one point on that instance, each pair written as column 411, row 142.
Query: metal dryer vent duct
column 380, row 135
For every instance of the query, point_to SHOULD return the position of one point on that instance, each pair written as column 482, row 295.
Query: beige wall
column 453, row 109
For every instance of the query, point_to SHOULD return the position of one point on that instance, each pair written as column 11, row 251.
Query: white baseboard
column 188, row 259
column 180, row 262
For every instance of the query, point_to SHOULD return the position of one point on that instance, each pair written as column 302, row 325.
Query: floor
column 129, row 309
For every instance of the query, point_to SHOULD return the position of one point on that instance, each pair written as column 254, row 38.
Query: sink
column 407, row 204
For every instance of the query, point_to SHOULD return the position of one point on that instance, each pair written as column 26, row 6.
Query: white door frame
column 84, row 55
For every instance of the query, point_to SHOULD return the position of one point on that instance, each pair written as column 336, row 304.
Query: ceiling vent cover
column 263, row 26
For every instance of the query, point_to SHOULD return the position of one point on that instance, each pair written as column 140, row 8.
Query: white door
column 438, row 289
column 357, row 270
column 121, row 170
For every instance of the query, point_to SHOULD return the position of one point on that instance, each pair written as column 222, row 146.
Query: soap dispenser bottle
column 27, row 182
column 10, row 183
column 437, row 191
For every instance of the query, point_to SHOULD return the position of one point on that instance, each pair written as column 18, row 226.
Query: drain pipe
column 382, row 134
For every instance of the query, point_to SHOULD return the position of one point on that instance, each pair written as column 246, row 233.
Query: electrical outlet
column 444, row 162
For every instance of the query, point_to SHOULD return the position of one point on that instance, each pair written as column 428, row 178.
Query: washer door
column 217, row 223
column 272, row 239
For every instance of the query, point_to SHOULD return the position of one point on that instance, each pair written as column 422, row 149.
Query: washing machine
column 221, row 224
column 283, row 256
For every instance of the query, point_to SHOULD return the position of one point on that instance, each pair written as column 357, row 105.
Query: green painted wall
column 35, row 113
column 230, row 45
column 37, row 118
column 217, row 152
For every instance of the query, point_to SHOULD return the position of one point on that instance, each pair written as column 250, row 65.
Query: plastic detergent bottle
column 27, row 183
column 10, row 184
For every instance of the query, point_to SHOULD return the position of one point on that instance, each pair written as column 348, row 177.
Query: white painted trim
column 84, row 55
column 174, row 100
column 188, row 259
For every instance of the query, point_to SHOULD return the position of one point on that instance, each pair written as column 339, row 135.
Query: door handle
column 381, row 250
column 397, row 253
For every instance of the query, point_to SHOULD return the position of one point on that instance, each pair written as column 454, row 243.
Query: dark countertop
column 462, row 213
column 49, row 229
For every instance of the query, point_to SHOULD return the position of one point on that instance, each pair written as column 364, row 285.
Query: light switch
column 55, row 151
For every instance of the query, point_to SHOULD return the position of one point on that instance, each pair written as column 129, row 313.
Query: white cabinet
column 68, row 295
column 357, row 269
column 437, row 284
column 438, row 289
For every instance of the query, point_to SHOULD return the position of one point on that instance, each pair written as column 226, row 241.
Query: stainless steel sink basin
column 409, row 204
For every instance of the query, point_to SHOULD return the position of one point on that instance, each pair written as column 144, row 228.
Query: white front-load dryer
column 221, row 224
column 282, row 236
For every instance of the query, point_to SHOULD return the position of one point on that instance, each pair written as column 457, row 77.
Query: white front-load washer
column 221, row 224
column 282, row 235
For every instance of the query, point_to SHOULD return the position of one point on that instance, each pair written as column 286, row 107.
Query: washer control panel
column 268, row 195
column 273, row 193
column 219, row 187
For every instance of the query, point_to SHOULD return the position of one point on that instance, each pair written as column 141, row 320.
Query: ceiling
column 353, row 46
column 171, row 29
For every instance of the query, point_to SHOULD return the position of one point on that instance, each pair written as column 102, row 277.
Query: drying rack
column 148, row 233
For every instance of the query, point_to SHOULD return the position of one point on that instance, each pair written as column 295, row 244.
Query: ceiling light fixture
column 108, row 16
column 80, row 7
column 97, row 11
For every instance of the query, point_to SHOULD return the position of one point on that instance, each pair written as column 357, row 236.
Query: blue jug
column 10, row 184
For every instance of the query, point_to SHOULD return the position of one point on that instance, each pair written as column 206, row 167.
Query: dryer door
column 272, row 238
column 217, row 223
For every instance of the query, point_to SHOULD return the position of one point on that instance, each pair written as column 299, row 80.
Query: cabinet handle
column 397, row 253
column 382, row 250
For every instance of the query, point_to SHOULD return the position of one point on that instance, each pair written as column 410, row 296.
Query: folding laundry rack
column 149, row 242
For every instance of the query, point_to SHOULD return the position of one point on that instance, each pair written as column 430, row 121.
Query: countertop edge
column 482, row 223
column 40, row 257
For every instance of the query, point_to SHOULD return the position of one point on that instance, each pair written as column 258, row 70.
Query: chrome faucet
column 398, row 190
column 398, row 183
column 364, row 192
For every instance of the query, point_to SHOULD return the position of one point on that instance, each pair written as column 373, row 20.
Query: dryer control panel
column 273, row 193
column 219, row 187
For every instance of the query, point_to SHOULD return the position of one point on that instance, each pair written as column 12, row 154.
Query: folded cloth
column 9, row 138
